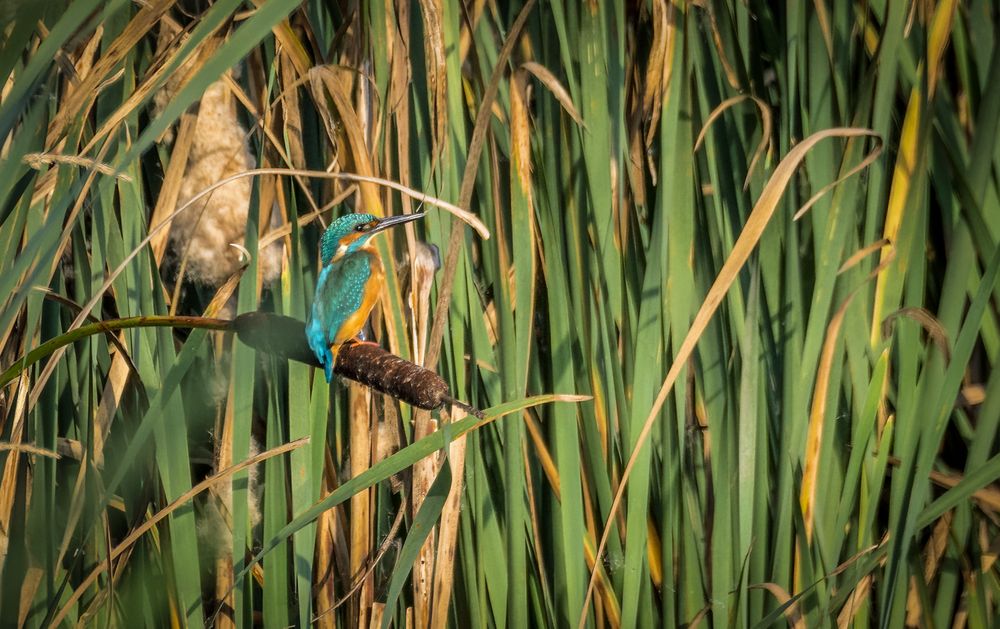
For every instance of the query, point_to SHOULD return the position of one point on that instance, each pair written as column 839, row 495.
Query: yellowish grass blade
column 744, row 246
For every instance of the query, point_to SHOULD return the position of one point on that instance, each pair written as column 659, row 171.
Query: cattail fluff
column 202, row 234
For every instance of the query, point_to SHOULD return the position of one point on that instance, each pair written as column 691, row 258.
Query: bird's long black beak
column 392, row 221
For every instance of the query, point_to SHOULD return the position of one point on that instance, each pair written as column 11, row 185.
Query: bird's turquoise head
column 351, row 232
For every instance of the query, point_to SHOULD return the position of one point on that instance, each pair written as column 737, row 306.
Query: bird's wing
column 354, row 323
column 340, row 294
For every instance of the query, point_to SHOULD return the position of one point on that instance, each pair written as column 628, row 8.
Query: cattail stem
column 104, row 327
column 284, row 337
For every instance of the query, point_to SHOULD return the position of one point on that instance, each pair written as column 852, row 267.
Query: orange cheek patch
column 351, row 237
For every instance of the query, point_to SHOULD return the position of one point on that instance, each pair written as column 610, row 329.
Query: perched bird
column 349, row 283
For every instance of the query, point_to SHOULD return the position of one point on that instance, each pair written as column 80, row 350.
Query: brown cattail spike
column 366, row 363
column 371, row 365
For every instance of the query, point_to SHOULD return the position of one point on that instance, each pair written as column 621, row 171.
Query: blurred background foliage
column 827, row 452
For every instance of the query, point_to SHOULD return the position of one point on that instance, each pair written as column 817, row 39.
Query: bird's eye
column 360, row 228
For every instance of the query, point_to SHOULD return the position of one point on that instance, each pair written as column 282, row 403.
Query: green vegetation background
column 783, row 215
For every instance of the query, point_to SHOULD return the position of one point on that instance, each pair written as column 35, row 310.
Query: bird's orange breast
column 373, row 287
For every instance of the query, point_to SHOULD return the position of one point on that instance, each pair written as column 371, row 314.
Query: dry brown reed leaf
column 863, row 253
column 27, row 448
column 727, row 67
column 223, row 459
column 324, row 594
column 291, row 115
column 223, row 294
column 437, row 74
column 765, row 132
column 32, row 578
column 868, row 160
column 914, row 609
column 180, row 501
column 973, row 394
column 444, row 561
column 607, row 594
column 600, row 414
column 432, row 576
column 74, row 106
column 293, row 134
column 360, row 423
column 823, row 19
column 668, row 68
column 817, row 415
column 987, row 497
column 854, row 602
column 111, row 398
column 398, row 102
column 468, row 27
column 152, row 82
column 398, row 107
column 520, row 132
column 556, row 88
column 543, row 455
column 476, row 144
column 39, row 160
column 378, row 611
column 654, row 552
column 759, row 218
column 937, row 40
column 658, row 68
column 927, row 321
column 936, row 545
column 335, row 83
column 424, row 472
column 792, row 613
column 990, row 554
column 391, row 539
column 863, row 588
column 83, row 62
column 536, row 524
column 291, row 46
column 636, row 160
column 699, row 617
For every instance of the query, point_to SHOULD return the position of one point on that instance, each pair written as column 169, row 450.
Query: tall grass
column 734, row 323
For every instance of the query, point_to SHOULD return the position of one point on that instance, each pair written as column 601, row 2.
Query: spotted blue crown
column 340, row 229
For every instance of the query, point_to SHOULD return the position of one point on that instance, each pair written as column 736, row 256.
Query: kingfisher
column 349, row 283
